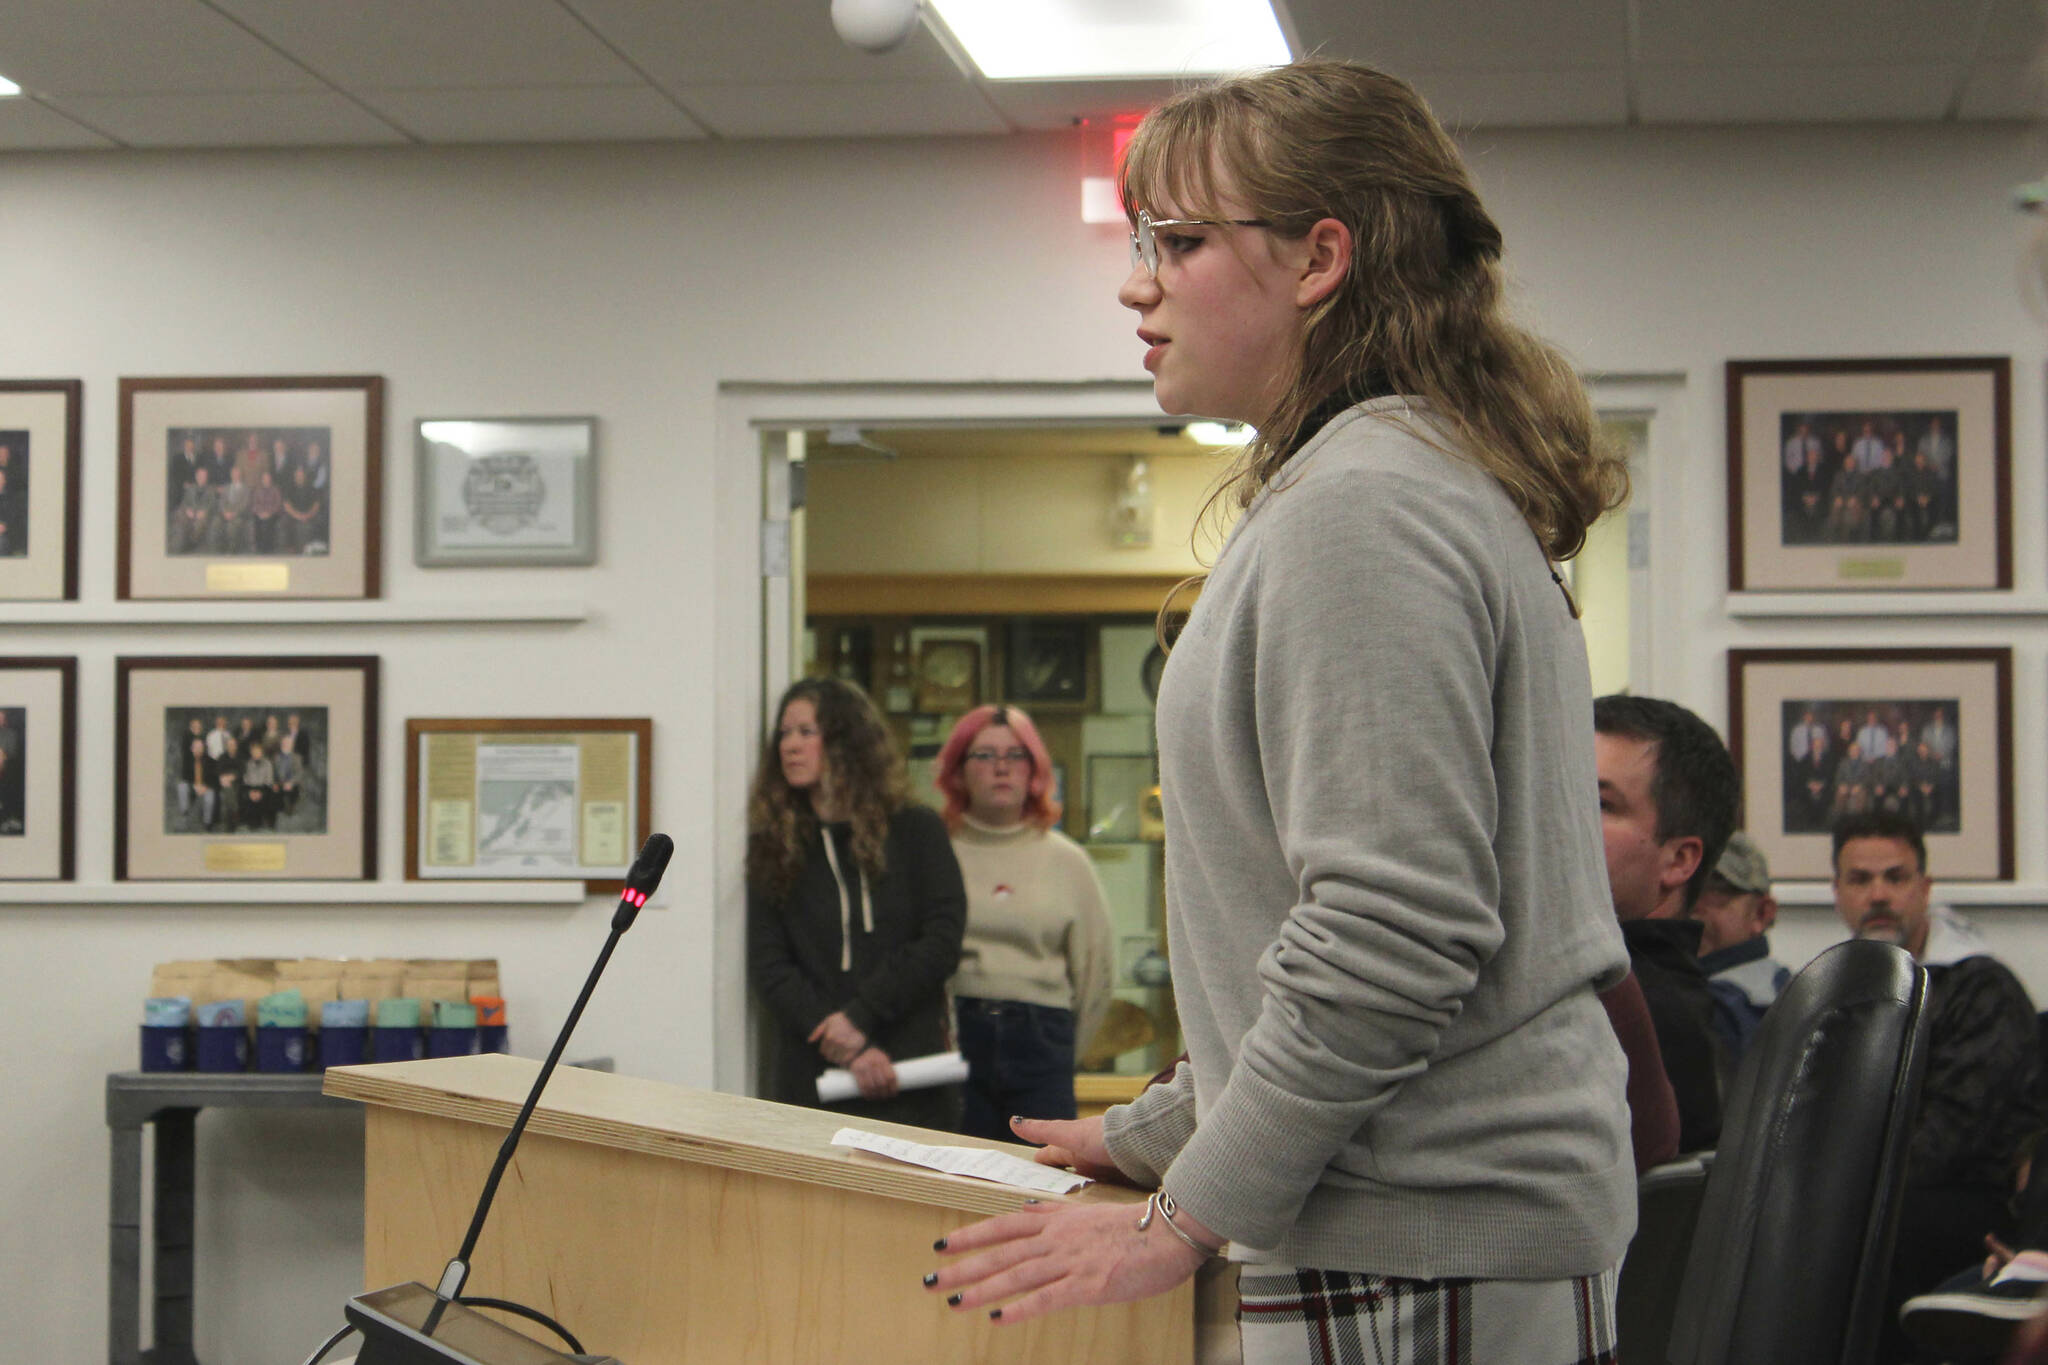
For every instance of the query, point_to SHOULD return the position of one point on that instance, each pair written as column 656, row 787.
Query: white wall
column 629, row 282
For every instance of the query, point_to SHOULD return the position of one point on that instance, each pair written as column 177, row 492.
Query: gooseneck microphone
column 399, row 1323
column 641, row 880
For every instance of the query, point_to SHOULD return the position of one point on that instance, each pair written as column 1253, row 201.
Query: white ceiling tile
column 2005, row 90
column 26, row 126
column 773, row 109
column 1404, row 36
column 1807, row 33
column 753, row 41
column 1524, row 99
column 2015, row 30
column 233, row 120
column 1789, row 94
column 407, row 44
column 553, row 114
column 134, row 47
column 1048, row 105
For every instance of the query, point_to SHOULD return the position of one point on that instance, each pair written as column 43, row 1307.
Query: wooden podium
column 668, row 1226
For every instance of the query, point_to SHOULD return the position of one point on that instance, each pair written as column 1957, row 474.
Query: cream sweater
column 1036, row 928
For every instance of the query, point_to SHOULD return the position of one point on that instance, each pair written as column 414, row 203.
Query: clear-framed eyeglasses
column 1145, row 240
column 991, row 757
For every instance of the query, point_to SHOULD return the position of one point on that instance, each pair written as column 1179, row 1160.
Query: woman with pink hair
column 1034, row 976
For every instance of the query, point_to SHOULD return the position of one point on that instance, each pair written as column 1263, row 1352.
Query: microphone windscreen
column 645, row 874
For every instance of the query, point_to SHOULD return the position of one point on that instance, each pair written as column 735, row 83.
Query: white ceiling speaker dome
column 874, row 25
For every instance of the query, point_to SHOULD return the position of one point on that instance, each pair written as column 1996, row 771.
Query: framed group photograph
column 39, row 443
column 527, row 799
column 498, row 491
column 1823, row 734
column 245, row 768
column 1046, row 664
column 251, row 488
column 38, row 760
column 1870, row 475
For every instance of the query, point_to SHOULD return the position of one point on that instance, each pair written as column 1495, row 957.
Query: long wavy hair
column 1420, row 307
column 862, row 767
column 1041, row 807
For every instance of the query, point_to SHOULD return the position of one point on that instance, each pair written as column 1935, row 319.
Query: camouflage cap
column 1743, row 865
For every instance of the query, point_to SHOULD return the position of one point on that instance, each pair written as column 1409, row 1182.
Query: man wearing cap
column 1736, row 912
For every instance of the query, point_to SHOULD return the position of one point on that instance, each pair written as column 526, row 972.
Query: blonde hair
column 1419, row 310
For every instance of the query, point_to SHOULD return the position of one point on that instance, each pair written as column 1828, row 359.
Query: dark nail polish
column 952, row 1300
column 931, row 1279
column 939, row 1245
column 994, row 1313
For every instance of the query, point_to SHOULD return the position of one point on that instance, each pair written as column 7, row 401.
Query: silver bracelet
column 1161, row 1203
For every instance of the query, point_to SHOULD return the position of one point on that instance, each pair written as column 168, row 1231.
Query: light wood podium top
column 704, row 1126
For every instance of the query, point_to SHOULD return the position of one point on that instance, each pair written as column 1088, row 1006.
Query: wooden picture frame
column 38, row 769
column 40, row 421
column 505, row 491
column 1878, row 475
column 186, row 443
column 319, row 822
column 1049, row 665
column 567, row 798
column 1804, row 725
column 946, row 650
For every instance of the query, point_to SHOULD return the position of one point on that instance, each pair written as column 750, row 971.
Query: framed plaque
column 251, row 488
column 526, row 799
column 39, row 437
column 38, row 764
column 506, row 491
column 245, row 768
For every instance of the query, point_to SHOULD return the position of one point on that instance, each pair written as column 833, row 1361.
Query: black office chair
column 1667, row 1211
column 1801, row 1208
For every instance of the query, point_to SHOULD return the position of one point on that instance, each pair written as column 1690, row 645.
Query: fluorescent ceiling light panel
column 1024, row 40
column 7, row 88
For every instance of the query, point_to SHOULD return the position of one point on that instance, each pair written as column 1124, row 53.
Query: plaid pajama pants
column 1326, row 1317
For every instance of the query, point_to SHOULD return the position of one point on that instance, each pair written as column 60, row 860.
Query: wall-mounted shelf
column 1821, row 895
column 243, row 612
column 1759, row 605
column 229, row 895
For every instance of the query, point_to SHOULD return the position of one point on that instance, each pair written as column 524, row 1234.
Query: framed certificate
column 526, row 799
column 506, row 491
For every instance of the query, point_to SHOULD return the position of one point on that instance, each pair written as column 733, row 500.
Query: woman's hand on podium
column 875, row 1074
column 1053, row 1256
column 838, row 1039
column 1073, row 1144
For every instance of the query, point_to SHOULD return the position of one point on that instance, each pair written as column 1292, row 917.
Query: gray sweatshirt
column 1387, row 896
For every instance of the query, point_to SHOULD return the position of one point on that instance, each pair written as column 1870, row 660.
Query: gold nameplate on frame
column 245, row 857
column 248, row 577
column 1882, row 567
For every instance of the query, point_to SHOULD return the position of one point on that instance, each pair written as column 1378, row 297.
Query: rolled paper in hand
column 915, row 1073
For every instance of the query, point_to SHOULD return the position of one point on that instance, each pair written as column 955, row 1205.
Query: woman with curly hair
column 854, row 908
column 1403, row 1107
column 1034, row 976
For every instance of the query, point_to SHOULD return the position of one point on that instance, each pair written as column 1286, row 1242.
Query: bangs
column 1173, row 158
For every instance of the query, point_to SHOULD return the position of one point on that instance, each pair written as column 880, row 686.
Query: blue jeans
column 1020, row 1060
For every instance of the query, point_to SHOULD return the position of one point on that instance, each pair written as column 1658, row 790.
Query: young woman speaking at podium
column 1387, row 910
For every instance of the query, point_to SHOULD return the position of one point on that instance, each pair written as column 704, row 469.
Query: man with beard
column 1982, row 1092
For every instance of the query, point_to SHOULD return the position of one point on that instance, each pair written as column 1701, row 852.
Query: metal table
column 171, row 1100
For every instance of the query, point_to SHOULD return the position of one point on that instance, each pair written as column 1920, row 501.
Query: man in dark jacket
column 1668, row 794
column 1737, row 910
column 1982, row 1094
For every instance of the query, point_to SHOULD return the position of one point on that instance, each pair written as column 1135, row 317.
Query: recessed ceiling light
column 7, row 88
column 1022, row 40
